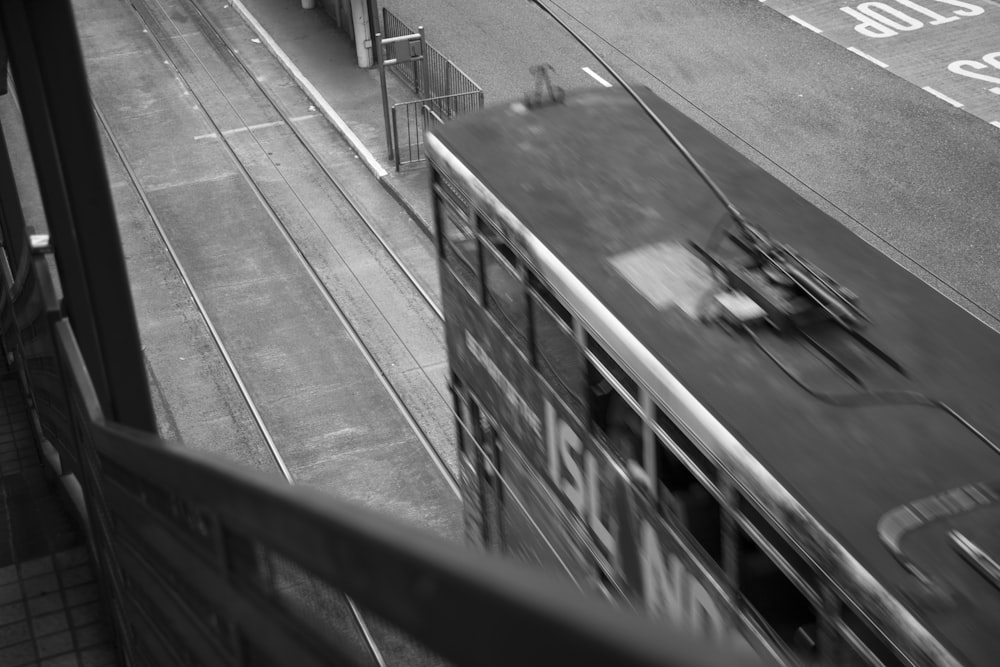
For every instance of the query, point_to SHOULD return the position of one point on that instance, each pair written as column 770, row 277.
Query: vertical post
column 361, row 21
column 380, row 59
column 374, row 25
column 395, row 136
column 426, row 83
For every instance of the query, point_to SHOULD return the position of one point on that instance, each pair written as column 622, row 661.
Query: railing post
column 395, row 136
column 426, row 83
column 380, row 59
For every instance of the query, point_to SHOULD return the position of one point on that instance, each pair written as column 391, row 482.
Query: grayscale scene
column 431, row 333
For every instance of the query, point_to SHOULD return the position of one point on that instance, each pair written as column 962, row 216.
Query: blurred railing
column 203, row 562
column 410, row 122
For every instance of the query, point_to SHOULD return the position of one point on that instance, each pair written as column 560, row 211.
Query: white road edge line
column 995, row 91
column 804, row 24
column 864, row 55
column 995, row 122
column 313, row 94
column 944, row 97
column 597, row 77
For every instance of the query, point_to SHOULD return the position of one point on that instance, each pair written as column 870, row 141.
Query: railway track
column 224, row 45
column 218, row 91
column 374, row 634
column 219, row 42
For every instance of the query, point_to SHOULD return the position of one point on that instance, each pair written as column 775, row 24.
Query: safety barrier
column 443, row 78
column 411, row 120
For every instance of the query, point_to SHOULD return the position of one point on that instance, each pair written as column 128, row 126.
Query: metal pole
column 395, row 136
column 423, row 63
column 380, row 58
column 374, row 25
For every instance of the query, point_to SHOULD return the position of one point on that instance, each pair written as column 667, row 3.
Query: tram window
column 778, row 602
column 685, row 444
column 612, row 366
column 458, row 240
column 778, row 542
column 682, row 495
column 462, row 419
column 870, row 638
column 542, row 292
column 505, row 295
column 557, row 355
column 613, row 416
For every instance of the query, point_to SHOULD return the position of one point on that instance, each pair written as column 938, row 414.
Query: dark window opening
column 505, row 296
column 778, row 602
column 686, row 445
column 685, row 497
column 549, row 299
column 496, row 239
column 461, row 417
column 459, row 243
column 556, row 353
column 612, row 416
column 778, row 542
column 612, row 366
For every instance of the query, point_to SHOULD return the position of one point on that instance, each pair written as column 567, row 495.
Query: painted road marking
column 995, row 122
column 597, row 77
column 947, row 48
column 944, row 97
column 804, row 24
column 866, row 56
column 259, row 126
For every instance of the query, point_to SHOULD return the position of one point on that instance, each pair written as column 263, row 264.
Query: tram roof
column 595, row 182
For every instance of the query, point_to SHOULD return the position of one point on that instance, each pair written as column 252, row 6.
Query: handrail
column 463, row 606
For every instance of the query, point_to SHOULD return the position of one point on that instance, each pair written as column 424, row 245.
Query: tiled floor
column 50, row 611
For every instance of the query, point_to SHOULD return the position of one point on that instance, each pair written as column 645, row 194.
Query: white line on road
column 995, row 122
column 944, row 97
column 864, row 55
column 995, row 91
column 803, row 23
column 597, row 77
column 259, row 126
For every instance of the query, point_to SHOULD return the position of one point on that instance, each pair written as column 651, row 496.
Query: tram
column 755, row 426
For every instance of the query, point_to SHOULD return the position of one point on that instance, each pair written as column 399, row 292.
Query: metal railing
column 410, row 121
column 443, row 78
column 203, row 562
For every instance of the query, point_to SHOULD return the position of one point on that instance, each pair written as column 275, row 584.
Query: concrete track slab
column 317, row 394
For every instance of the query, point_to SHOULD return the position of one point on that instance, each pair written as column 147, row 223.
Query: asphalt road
column 906, row 170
